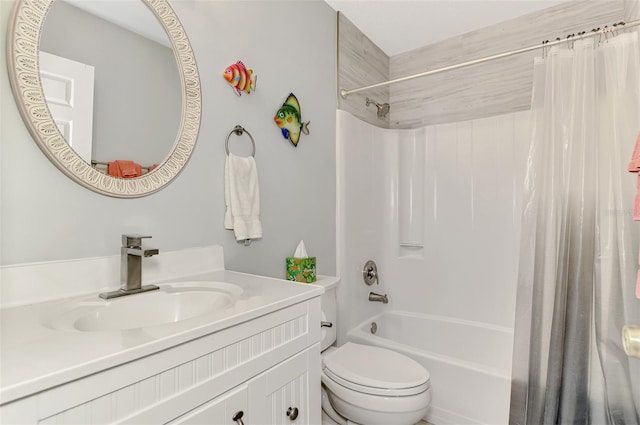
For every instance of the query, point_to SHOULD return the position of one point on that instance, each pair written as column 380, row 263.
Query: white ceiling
column 397, row 26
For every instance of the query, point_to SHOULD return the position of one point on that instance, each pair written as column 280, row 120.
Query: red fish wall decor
column 240, row 78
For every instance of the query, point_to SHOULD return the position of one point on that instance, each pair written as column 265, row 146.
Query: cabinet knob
column 292, row 413
column 238, row 417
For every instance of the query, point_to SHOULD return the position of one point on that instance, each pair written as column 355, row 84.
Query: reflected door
column 68, row 90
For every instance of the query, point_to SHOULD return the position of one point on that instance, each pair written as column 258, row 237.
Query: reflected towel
column 124, row 169
column 242, row 197
column 636, row 201
column 634, row 164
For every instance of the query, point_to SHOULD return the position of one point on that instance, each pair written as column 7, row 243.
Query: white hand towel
column 242, row 197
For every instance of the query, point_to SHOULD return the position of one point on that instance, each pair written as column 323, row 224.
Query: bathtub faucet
column 377, row 297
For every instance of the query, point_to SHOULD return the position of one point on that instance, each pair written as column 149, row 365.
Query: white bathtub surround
column 467, row 270
column 473, row 173
column 469, row 363
column 472, row 191
column 37, row 282
column 360, row 210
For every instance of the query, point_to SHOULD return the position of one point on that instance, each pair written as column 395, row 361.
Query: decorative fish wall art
column 240, row 78
column 289, row 119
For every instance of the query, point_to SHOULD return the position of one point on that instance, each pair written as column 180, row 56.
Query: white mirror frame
column 23, row 39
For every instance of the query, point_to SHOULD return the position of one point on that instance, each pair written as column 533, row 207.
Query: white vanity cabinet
column 262, row 367
column 229, row 408
column 288, row 393
column 281, row 395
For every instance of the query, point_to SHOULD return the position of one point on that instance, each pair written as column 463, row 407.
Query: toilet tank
column 328, row 304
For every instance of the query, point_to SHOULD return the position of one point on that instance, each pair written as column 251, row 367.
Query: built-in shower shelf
column 411, row 173
column 411, row 251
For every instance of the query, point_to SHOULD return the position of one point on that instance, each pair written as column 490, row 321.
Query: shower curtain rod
column 344, row 93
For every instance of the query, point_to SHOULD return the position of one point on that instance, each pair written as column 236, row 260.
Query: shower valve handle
column 370, row 273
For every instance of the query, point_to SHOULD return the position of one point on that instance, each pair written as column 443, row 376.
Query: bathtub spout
column 377, row 297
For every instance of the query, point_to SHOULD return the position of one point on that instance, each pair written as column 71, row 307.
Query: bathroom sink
column 170, row 304
column 151, row 310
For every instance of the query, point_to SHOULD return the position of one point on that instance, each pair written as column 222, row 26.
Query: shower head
column 383, row 108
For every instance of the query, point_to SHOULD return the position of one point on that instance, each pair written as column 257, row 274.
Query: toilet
column 366, row 385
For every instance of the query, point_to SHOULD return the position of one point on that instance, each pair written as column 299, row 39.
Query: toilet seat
column 377, row 391
column 375, row 371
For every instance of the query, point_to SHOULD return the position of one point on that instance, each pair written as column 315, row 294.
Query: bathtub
column 469, row 362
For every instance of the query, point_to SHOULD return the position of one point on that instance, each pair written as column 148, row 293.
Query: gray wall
column 291, row 46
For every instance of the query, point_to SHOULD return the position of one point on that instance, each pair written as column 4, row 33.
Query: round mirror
column 146, row 104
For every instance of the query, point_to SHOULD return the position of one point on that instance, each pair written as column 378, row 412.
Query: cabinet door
column 288, row 393
column 220, row 411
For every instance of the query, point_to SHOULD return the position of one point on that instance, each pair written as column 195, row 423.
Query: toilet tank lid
column 375, row 367
column 327, row 282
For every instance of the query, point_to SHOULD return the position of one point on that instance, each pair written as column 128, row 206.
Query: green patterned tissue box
column 301, row 269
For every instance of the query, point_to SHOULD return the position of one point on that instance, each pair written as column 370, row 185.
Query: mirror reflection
column 115, row 94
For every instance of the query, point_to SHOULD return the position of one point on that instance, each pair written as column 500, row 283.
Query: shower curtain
column 579, row 250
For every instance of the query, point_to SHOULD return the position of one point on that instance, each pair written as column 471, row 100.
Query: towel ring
column 238, row 130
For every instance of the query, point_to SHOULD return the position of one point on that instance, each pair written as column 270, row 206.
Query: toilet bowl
column 366, row 385
column 374, row 386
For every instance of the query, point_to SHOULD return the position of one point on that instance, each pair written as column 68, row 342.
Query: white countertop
column 34, row 357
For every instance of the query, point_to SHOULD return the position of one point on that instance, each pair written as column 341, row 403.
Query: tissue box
column 301, row 269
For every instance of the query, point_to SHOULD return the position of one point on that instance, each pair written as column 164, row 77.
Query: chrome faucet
column 377, row 297
column 131, row 254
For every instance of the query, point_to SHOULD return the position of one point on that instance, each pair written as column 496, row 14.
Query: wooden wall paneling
column 631, row 10
column 360, row 63
column 495, row 87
